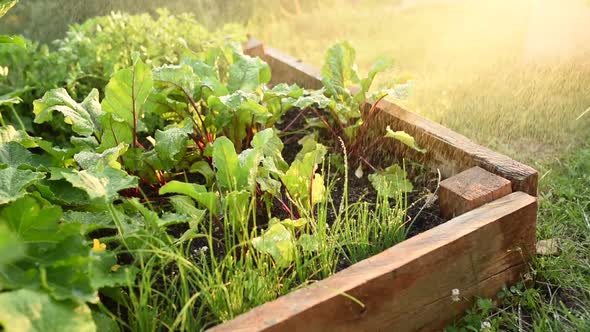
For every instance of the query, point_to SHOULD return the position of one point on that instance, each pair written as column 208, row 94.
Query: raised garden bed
column 425, row 282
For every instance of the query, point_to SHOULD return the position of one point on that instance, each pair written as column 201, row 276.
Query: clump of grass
column 186, row 287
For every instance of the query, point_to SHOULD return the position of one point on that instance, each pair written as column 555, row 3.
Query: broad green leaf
column 301, row 179
column 278, row 242
column 226, row 163
column 171, row 145
column 181, row 77
column 339, row 66
column 90, row 221
column 83, row 117
column 391, row 182
column 98, row 161
column 33, row 311
column 13, row 183
column 114, row 132
column 271, row 145
column 125, row 95
column 195, row 191
column 102, row 273
column 202, row 167
column 32, row 222
column 247, row 73
column 11, row 247
column 405, row 138
column 249, row 161
column 5, row 6
column 236, row 206
column 13, row 154
column 9, row 134
column 103, row 184
column 17, row 40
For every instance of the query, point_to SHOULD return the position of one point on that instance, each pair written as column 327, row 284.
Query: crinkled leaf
column 271, row 145
column 405, row 138
column 171, row 145
column 90, row 221
column 103, row 184
column 247, row 73
column 98, row 161
column 339, row 66
column 278, row 242
column 13, row 183
column 32, row 222
column 391, row 182
column 83, row 117
column 33, row 311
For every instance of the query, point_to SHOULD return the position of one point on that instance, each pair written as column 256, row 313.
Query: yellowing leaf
column 405, row 138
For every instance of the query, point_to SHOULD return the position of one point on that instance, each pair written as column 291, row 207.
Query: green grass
column 558, row 299
column 473, row 71
column 469, row 61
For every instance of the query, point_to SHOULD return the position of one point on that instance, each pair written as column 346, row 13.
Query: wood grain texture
column 448, row 151
column 470, row 189
column 408, row 287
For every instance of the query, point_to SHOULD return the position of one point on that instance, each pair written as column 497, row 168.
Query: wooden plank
column 408, row 287
column 448, row 151
column 470, row 189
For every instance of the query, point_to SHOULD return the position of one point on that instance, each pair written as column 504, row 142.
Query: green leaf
column 226, row 163
column 102, row 185
column 391, row 182
column 31, row 222
column 405, row 138
column 271, row 145
column 14, row 155
column 339, row 68
column 82, row 117
column 278, row 242
column 32, row 311
column 381, row 64
column 247, row 73
column 301, row 179
column 171, row 145
column 17, row 40
column 195, row 191
column 13, row 183
column 202, row 167
column 125, row 95
column 90, row 221
column 11, row 247
column 98, row 161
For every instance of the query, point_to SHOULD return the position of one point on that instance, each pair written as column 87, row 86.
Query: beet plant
column 167, row 192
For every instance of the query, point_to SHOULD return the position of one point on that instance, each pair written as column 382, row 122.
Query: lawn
column 511, row 75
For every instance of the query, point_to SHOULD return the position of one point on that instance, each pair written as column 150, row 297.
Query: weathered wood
column 448, row 151
column 470, row 189
column 408, row 287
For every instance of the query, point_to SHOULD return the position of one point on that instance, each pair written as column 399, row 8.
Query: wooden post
column 470, row 189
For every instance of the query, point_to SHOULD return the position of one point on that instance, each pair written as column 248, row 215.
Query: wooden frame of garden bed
column 408, row 287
